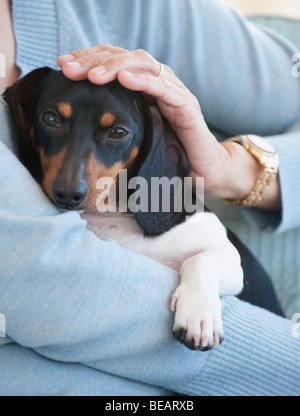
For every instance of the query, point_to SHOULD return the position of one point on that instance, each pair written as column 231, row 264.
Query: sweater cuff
column 259, row 356
column 288, row 148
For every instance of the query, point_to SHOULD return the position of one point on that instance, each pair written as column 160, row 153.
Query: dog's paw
column 198, row 319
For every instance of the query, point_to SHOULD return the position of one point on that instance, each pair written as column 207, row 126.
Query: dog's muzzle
column 69, row 195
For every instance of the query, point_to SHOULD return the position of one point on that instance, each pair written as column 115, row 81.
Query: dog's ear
column 165, row 158
column 21, row 98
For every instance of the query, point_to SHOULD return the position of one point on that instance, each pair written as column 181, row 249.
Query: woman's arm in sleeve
column 59, row 283
column 259, row 356
column 75, row 298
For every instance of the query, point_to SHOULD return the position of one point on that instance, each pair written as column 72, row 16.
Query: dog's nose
column 69, row 196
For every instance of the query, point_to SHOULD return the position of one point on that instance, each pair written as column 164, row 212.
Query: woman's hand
column 229, row 171
column 139, row 71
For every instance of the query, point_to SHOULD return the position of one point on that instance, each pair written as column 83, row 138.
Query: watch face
column 262, row 144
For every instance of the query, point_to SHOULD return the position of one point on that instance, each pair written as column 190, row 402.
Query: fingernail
column 74, row 65
column 67, row 58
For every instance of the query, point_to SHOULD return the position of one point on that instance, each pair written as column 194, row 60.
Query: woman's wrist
column 240, row 174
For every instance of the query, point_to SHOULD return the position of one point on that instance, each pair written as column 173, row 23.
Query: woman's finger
column 136, row 61
column 177, row 104
column 78, row 69
column 155, row 86
column 81, row 53
column 102, row 65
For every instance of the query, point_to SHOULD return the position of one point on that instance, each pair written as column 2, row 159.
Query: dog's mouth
column 66, row 208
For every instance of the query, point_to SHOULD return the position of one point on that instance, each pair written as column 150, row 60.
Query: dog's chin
column 89, row 210
column 81, row 209
column 64, row 209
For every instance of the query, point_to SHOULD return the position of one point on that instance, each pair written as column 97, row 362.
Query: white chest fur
column 199, row 249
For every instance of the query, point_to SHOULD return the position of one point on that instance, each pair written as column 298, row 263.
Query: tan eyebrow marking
column 65, row 109
column 107, row 120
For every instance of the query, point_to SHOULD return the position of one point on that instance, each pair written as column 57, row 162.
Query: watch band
column 270, row 163
column 257, row 193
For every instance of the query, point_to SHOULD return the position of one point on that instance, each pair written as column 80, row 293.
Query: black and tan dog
column 71, row 134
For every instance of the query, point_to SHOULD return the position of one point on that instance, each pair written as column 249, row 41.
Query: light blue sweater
column 87, row 317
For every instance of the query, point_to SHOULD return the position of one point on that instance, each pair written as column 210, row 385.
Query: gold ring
column 162, row 70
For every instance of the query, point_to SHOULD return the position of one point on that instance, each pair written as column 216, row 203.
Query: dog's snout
column 69, row 195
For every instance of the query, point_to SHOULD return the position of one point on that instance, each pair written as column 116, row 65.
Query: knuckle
column 115, row 61
column 168, row 69
column 116, row 58
column 90, row 60
column 102, row 46
column 144, row 55
column 79, row 53
column 117, row 50
column 82, row 53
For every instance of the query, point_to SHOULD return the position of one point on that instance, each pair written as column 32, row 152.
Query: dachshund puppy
column 71, row 135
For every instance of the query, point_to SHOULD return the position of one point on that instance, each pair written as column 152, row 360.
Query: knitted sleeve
column 288, row 148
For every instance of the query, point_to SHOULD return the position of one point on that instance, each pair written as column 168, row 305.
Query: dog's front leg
column 214, row 272
column 198, row 318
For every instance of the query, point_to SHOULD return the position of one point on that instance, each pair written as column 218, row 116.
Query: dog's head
column 71, row 134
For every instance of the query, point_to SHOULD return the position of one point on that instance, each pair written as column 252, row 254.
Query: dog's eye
column 117, row 133
column 51, row 120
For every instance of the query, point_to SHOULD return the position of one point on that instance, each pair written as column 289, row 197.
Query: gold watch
column 266, row 155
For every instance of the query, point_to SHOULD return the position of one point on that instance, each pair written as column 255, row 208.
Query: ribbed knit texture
column 234, row 370
column 266, row 234
column 289, row 28
column 35, row 27
column 279, row 253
